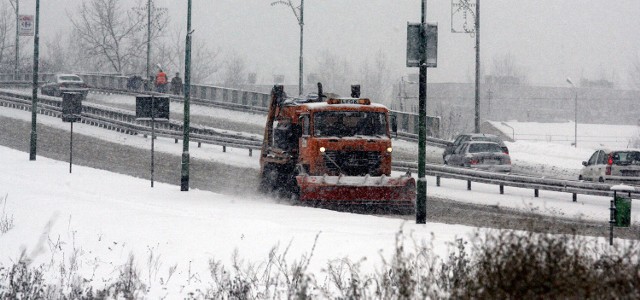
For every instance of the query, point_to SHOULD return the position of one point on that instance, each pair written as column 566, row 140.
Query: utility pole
column 299, row 13
column 148, row 40
column 421, row 201
column 301, row 23
column 477, row 117
column 15, row 70
column 34, row 95
column 184, row 178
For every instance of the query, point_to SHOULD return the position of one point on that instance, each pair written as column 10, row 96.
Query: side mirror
column 584, row 163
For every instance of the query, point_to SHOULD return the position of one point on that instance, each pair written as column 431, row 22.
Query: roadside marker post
column 71, row 113
column 153, row 108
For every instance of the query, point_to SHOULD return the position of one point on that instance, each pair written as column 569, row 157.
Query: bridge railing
column 407, row 122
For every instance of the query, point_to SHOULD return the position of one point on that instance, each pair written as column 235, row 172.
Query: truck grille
column 352, row 163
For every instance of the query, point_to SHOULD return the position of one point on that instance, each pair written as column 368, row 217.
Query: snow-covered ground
column 103, row 217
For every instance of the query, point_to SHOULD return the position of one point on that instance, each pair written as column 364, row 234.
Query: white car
column 620, row 165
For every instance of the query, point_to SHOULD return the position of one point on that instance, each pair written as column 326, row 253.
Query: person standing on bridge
column 161, row 82
column 176, row 84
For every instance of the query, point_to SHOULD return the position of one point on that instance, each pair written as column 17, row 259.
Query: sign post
column 420, row 38
column 154, row 108
column 71, row 112
column 620, row 215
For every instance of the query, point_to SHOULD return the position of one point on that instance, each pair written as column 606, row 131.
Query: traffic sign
column 26, row 23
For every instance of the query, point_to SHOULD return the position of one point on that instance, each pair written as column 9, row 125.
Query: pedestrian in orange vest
column 161, row 82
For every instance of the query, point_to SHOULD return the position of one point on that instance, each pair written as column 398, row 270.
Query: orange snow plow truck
column 332, row 151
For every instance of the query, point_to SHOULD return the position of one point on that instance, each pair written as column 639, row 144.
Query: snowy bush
column 493, row 264
column 6, row 222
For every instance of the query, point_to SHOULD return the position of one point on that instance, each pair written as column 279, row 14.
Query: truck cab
column 345, row 136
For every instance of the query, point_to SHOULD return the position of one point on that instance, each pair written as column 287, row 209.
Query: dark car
column 473, row 137
column 480, row 155
column 65, row 83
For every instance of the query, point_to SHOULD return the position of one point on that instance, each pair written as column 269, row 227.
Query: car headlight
column 322, row 149
column 389, row 149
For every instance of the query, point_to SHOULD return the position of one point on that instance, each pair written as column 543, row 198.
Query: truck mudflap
column 372, row 190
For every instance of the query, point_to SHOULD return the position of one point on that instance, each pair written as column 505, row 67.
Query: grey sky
column 550, row 39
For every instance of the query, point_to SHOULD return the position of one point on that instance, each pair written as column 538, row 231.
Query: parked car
column 618, row 165
column 480, row 155
column 65, row 83
column 474, row 137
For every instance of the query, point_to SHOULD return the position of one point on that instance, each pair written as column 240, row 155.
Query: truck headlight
column 389, row 149
column 322, row 149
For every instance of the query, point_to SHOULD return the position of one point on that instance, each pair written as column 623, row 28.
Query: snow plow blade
column 358, row 190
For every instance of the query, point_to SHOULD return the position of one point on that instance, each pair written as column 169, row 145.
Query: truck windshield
column 349, row 123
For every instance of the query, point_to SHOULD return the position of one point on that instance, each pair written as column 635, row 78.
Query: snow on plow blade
column 382, row 190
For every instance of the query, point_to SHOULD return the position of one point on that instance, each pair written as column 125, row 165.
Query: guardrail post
column 437, row 180
column 224, row 148
column 199, row 144
column 502, row 189
column 254, row 99
column 575, row 197
column 469, row 185
column 250, row 152
column 535, row 193
column 176, row 141
column 212, row 93
column 245, row 98
column 234, row 97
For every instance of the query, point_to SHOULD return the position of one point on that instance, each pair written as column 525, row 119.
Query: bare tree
column 235, row 71
column 7, row 27
column 375, row 78
column 634, row 73
column 112, row 35
column 56, row 56
column 505, row 69
column 138, row 46
column 204, row 60
column 334, row 72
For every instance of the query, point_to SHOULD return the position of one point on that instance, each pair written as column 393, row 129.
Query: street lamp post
column 184, row 174
column 421, row 186
column 299, row 13
column 148, row 40
column 34, row 94
column 15, row 70
column 575, row 112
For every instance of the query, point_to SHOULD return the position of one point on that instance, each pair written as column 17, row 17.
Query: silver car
column 480, row 155
column 621, row 165
column 65, row 83
column 465, row 137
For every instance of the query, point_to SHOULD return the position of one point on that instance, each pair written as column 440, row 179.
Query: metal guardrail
column 249, row 100
column 194, row 100
column 232, row 99
column 430, row 140
column 519, row 181
column 124, row 121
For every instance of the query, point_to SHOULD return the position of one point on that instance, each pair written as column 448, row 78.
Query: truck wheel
column 268, row 179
